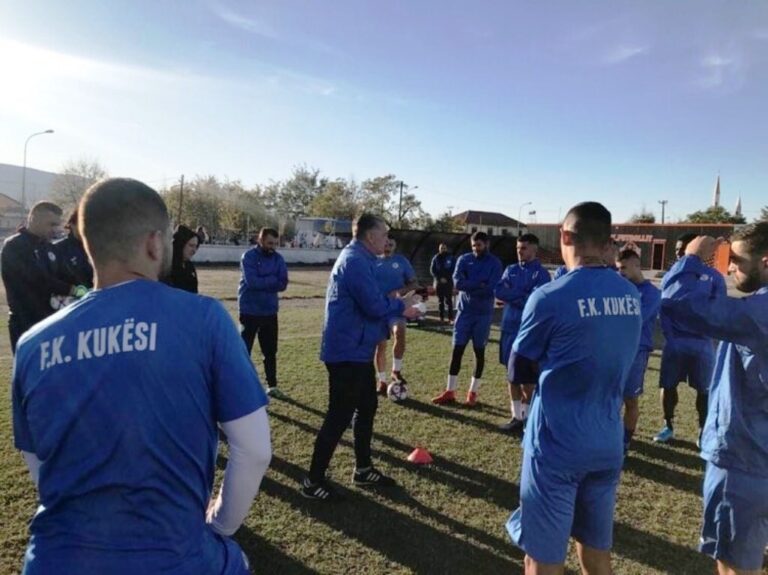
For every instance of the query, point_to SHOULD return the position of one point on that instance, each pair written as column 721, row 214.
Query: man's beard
column 751, row 281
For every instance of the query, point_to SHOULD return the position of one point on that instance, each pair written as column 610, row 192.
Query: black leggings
column 458, row 353
column 266, row 328
column 351, row 393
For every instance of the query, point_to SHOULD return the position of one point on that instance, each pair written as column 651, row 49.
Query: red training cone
column 420, row 456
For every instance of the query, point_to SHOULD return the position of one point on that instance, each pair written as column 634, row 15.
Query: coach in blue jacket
column 735, row 438
column 264, row 275
column 356, row 319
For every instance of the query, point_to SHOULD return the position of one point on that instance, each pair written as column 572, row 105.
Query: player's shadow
column 657, row 553
column 402, row 538
column 665, row 453
column 453, row 412
column 661, row 474
column 266, row 557
column 468, row 481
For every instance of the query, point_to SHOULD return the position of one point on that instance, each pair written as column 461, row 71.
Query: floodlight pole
column 24, row 169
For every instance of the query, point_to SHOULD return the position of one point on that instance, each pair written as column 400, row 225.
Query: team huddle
column 158, row 372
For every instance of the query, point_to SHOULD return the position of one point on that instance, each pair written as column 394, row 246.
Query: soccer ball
column 397, row 392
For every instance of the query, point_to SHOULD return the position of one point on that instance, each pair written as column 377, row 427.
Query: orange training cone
column 420, row 456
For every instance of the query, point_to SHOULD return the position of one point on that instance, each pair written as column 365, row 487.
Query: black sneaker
column 514, row 425
column 320, row 491
column 371, row 476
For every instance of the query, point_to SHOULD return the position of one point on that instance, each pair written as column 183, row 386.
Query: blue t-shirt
column 736, row 432
column 584, row 330
column 119, row 395
column 650, row 300
column 393, row 272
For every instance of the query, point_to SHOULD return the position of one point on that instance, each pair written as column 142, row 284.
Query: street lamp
column 520, row 215
column 24, row 169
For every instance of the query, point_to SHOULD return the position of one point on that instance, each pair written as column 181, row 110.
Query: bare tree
column 73, row 179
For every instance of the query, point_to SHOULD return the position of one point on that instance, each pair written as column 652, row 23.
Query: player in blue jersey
column 560, row 272
column 475, row 277
column 735, row 439
column 687, row 356
column 628, row 263
column 395, row 276
column 117, row 400
column 514, row 289
column 584, row 330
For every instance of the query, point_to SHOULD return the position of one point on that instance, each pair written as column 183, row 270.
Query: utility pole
column 663, row 206
column 400, row 207
column 181, row 198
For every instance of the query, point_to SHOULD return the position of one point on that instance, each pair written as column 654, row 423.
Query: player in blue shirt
column 475, row 277
column 628, row 263
column 687, row 355
column 117, row 401
column 583, row 330
column 395, row 276
column 514, row 289
column 735, row 439
column 560, row 272
column 441, row 269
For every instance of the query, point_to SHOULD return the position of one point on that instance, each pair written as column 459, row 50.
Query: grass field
column 445, row 518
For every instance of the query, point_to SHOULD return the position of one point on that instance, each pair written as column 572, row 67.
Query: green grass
column 445, row 518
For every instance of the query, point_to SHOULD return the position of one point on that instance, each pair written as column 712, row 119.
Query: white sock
column 451, row 382
column 382, row 376
column 474, row 386
column 397, row 364
column 524, row 411
column 517, row 409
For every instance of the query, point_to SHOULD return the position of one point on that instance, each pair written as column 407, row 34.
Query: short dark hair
column 115, row 213
column 627, row 254
column 268, row 232
column 755, row 236
column 45, row 206
column 365, row 223
column 590, row 224
column 686, row 239
column 481, row 236
column 529, row 239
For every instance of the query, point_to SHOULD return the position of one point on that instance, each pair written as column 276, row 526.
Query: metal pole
column 181, row 198
column 663, row 205
column 520, row 215
column 400, row 207
column 24, row 169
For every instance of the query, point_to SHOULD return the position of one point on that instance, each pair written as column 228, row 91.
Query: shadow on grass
column 266, row 558
column 658, row 553
column 456, row 412
column 664, row 475
column 399, row 537
column 663, row 452
column 470, row 482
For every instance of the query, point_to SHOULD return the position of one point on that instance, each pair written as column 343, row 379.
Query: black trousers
column 266, row 328
column 351, row 393
column 444, row 295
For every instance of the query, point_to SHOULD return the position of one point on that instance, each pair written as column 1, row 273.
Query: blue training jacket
column 650, row 302
column 356, row 310
column 514, row 288
column 736, row 432
column 475, row 277
column 675, row 331
column 262, row 277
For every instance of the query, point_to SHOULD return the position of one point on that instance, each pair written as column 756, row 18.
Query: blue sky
column 482, row 105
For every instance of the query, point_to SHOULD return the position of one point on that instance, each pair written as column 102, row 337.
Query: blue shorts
column 522, row 371
column 735, row 526
column 633, row 387
column 472, row 327
column 694, row 366
column 505, row 346
column 555, row 505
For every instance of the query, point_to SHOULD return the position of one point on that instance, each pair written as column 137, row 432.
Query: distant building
column 322, row 232
column 492, row 223
column 12, row 215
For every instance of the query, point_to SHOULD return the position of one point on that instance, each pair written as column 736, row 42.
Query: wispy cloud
column 719, row 71
column 622, row 53
column 247, row 24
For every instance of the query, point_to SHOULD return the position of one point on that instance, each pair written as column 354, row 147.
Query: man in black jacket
column 28, row 263
column 73, row 265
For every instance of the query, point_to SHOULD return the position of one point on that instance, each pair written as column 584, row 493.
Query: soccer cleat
column 319, row 491
column 665, row 435
column 398, row 377
column 444, row 398
column 371, row 476
column 514, row 425
column 381, row 388
column 275, row 393
column 471, row 400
